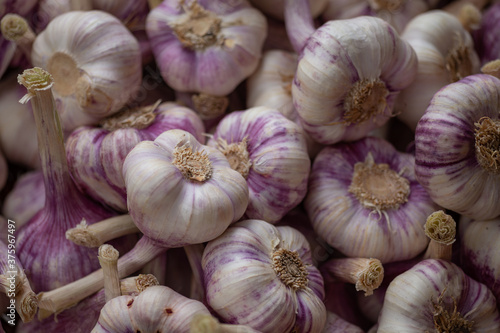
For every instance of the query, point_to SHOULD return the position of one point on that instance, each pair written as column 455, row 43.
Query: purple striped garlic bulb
column 96, row 153
column 262, row 276
column 437, row 296
column 365, row 201
column 457, row 157
column 95, row 62
column 206, row 46
column 270, row 152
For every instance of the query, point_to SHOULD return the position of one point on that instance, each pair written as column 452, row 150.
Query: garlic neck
column 138, row 118
column 192, row 165
column 448, row 320
column 487, row 143
column 237, row 155
column 377, row 186
column 366, row 99
column 458, row 61
column 290, row 269
column 198, row 28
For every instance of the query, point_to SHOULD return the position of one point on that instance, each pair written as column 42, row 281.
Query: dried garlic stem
column 16, row 29
column 366, row 274
column 470, row 17
column 96, row 234
column 209, row 106
column 492, row 68
column 441, row 229
column 194, row 253
column 202, row 323
column 108, row 259
column 59, row 299
column 158, row 268
column 26, row 299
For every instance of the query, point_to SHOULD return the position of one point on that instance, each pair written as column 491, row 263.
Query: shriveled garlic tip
column 487, row 144
column 492, row 68
column 13, row 27
column 199, row 28
column 192, row 165
column 144, row 281
column 28, row 307
column 448, row 319
column 290, row 269
column 80, row 235
column 365, row 100
column 34, row 79
column 107, row 253
column 139, row 118
column 209, row 106
column 441, row 228
column 237, row 155
column 470, row 16
column 459, row 62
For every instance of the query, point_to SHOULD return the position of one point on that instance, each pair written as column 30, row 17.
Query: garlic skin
column 175, row 180
column 262, row 276
column 446, row 54
column 48, row 9
column 422, row 298
column 96, row 153
column 275, row 8
column 156, row 309
column 348, row 77
column 95, row 62
column 370, row 204
column 270, row 152
column 486, row 40
column 211, row 54
column 456, row 144
column 479, row 254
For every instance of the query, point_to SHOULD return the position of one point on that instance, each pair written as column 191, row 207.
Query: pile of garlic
column 226, row 166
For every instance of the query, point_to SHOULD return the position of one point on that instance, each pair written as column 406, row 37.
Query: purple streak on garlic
column 479, row 253
column 206, row 46
column 176, row 181
column 365, row 201
column 486, row 40
column 262, row 276
column 456, row 144
column 156, row 309
column 270, row 152
column 434, row 295
column 95, row 62
column 348, row 77
column 445, row 52
column 26, row 198
column 96, row 153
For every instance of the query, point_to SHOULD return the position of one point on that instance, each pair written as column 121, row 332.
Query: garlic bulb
column 270, row 152
column 348, row 76
column 445, row 52
column 262, row 276
column 95, row 62
column 436, row 295
column 276, row 8
column 479, row 254
column 456, row 147
column 156, row 309
column 96, row 153
column 370, row 204
column 206, row 46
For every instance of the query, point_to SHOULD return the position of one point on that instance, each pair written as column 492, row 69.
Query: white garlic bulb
column 95, row 62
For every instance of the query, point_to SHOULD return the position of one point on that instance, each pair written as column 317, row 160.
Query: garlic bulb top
column 445, row 52
column 436, row 296
column 181, row 192
column 456, row 147
column 348, row 77
column 270, row 152
column 262, row 276
column 365, row 201
column 96, row 153
column 95, row 62
column 156, row 309
column 206, row 46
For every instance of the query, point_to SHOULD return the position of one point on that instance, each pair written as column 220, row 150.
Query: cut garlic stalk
column 108, row 259
column 441, row 229
column 16, row 29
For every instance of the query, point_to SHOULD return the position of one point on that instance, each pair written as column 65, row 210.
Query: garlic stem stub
column 15, row 28
column 456, row 147
column 95, row 62
column 108, row 259
column 365, row 201
column 441, row 229
column 262, row 276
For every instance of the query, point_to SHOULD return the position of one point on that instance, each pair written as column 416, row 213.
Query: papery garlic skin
column 447, row 157
column 446, row 54
column 222, row 51
column 270, row 152
column 156, row 309
column 95, row 62
column 243, row 287
column 408, row 304
column 348, row 77
column 96, row 153
column 159, row 194
column 358, row 229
